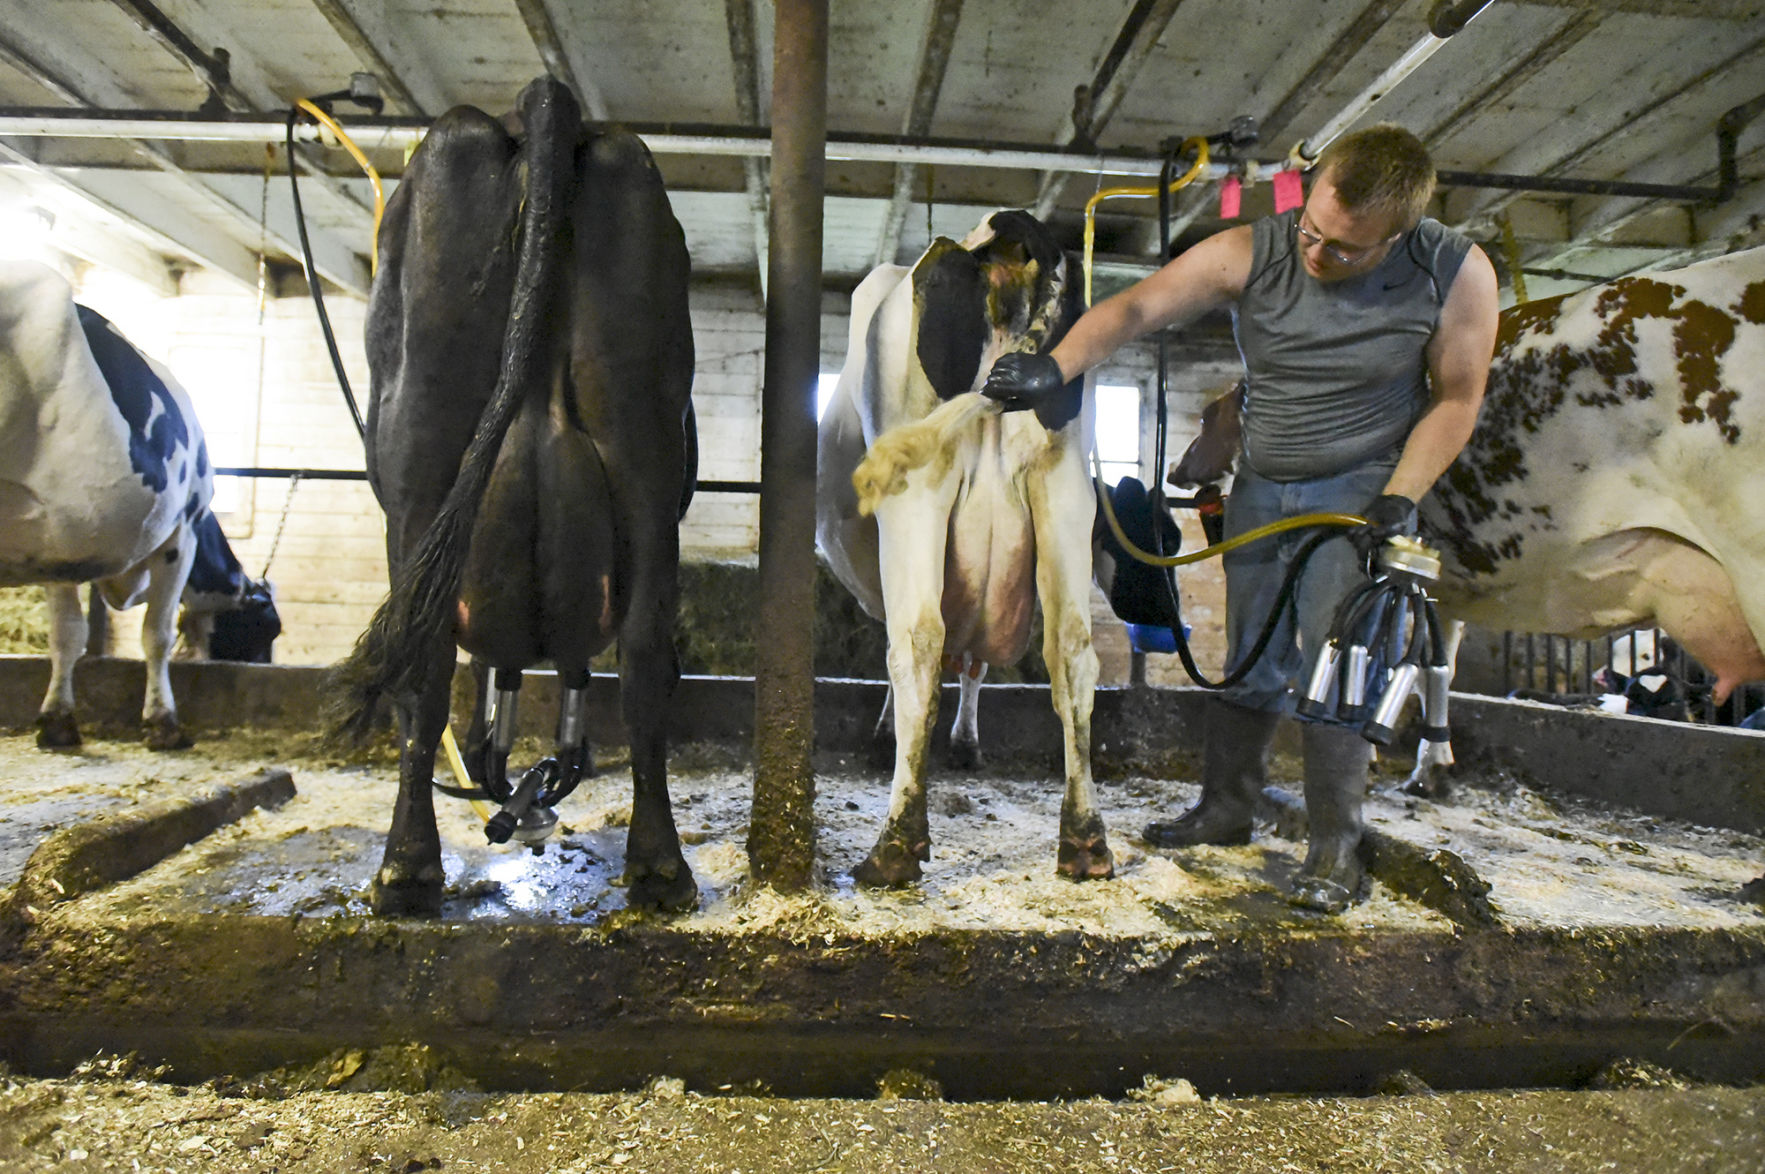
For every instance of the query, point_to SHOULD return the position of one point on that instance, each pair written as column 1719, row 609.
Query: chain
column 287, row 504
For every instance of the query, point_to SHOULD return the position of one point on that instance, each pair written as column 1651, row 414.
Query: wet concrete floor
column 1551, row 864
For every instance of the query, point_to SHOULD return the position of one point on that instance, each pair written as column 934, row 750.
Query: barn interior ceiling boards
column 1578, row 140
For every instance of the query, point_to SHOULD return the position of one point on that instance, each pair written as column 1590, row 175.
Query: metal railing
column 1557, row 666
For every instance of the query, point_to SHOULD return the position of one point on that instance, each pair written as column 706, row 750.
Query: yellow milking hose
column 1244, row 539
column 459, row 767
column 361, row 160
column 1184, row 180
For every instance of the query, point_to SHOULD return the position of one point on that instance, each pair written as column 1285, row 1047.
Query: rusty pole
column 781, row 832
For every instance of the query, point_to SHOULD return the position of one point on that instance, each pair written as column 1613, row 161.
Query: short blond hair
column 1380, row 169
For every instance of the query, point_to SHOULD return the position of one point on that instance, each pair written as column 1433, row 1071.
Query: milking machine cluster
column 527, row 814
column 1386, row 635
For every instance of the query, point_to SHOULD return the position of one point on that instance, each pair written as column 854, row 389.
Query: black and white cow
column 103, row 478
column 227, row 615
column 529, row 439
column 960, row 518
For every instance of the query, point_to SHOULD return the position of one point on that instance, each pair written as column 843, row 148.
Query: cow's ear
column 950, row 312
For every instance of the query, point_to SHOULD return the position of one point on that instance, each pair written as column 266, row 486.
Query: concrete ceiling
column 1628, row 90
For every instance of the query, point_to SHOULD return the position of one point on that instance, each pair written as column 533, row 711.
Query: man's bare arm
column 1458, row 367
column 1209, row 275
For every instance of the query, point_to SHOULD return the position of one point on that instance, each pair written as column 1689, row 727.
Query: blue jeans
column 1254, row 574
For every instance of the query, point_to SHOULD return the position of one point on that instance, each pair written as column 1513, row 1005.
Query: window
column 824, row 391
column 219, row 374
column 1118, row 431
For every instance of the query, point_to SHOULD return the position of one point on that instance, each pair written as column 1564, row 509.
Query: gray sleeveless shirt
column 1338, row 370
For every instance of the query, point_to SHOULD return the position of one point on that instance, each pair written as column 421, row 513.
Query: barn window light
column 824, row 391
column 24, row 233
column 1118, row 430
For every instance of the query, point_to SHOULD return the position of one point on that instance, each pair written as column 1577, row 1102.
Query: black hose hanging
column 312, row 282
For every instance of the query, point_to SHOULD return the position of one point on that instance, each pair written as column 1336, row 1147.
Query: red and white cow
column 103, row 477
column 977, row 515
column 1612, row 481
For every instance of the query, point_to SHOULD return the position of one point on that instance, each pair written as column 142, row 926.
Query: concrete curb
column 103, row 851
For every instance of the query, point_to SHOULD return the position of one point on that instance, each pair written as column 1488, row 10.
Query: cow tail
column 396, row 654
column 907, row 447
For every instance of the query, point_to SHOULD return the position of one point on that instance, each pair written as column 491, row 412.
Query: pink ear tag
column 1231, row 197
column 1289, row 191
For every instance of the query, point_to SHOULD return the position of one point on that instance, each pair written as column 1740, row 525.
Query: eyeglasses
column 1343, row 256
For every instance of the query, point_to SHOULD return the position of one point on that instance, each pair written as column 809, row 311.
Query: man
column 1366, row 332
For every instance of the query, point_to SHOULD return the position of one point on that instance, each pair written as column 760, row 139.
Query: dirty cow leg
column 912, row 533
column 905, row 839
column 168, row 569
column 1063, row 522
column 409, row 882
column 656, row 874
column 56, row 728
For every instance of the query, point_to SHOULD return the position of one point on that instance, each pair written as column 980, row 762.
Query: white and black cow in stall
column 529, row 437
column 104, row 478
column 227, row 615
column 977, row 515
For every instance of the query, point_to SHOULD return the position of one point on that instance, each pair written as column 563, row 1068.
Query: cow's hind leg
column 965, row 733
column 1429, row 779
column 409, row 883
column 905, row 839
column 656, row 873
column 168, row 570
column 912, row 560
column 56, row 727
column 1063, row 521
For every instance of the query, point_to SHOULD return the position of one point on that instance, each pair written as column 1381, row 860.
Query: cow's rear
column 978, row 516
column 528, row 437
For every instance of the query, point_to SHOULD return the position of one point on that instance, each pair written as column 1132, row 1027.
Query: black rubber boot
column 1335, row 788
column 1235, row 746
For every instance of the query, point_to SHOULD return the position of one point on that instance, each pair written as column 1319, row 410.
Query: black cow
column 529, row 438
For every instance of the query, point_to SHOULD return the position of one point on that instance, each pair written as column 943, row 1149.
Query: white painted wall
column 330, row 569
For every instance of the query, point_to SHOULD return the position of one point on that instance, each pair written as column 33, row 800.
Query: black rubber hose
column 312, row 283
column 1282, row 601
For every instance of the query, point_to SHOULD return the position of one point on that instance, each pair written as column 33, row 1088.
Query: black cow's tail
column 396, row 654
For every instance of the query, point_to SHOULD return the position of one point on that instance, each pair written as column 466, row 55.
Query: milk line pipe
column 666, row 139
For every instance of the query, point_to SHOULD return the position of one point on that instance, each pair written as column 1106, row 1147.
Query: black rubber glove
column 1389, row 515
column 1022, row 380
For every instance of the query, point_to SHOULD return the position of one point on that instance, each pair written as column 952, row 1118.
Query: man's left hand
column 1389, row 515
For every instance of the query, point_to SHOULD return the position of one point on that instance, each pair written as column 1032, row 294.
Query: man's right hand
column 1022, row 380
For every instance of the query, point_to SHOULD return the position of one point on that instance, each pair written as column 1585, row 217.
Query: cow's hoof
column 1086, row 859
column 892, row 864
column 1754, row 891
column 405, row 898
column 57, row 731
column 1427, row 784
column 669, row 888
column 965, row 756
column 164, row 733
column 1326, row 894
